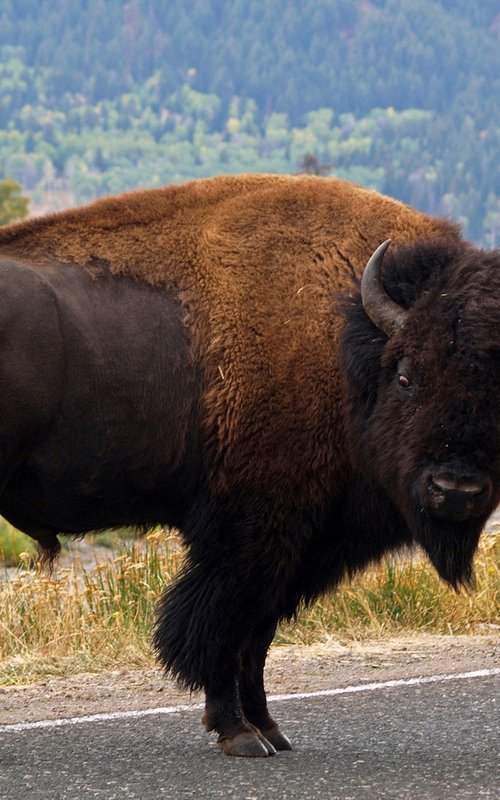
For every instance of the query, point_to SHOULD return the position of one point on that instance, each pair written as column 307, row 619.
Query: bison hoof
column 248, row 745
column 278, row 740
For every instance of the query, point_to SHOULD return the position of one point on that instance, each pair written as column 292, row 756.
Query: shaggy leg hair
column 203, row 622
column 215, row 625
column 199, row 624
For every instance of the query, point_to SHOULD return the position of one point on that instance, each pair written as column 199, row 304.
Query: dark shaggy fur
column 450, row 346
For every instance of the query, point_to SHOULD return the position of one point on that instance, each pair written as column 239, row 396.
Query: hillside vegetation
column 96, row 97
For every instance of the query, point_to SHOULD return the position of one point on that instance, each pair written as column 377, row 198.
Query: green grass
column 15, row 547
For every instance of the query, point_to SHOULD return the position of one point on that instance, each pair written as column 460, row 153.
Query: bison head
column 421, row 353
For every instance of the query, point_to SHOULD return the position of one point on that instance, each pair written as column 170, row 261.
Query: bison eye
column 404, row 380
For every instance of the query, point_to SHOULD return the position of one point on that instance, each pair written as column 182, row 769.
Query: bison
column 246, row 359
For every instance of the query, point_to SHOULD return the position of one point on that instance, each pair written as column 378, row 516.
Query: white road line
column 148, row 712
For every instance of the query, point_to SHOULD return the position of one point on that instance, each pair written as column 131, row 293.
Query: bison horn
column 381, row 309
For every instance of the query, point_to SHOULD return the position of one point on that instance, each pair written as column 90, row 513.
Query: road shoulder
column 290, row 669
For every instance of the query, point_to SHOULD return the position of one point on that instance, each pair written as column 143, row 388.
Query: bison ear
column 380, row 308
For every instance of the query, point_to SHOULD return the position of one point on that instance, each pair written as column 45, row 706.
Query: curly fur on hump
column 255, row 262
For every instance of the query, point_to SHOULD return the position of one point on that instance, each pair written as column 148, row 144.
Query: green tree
column 12, row 204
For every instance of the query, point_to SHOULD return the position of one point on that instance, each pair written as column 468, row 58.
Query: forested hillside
column 101, row 95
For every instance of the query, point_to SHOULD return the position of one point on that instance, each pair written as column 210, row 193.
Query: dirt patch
column 290, row 669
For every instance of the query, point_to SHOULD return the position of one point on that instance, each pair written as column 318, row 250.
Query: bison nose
column 455, row 495
column 465, row 487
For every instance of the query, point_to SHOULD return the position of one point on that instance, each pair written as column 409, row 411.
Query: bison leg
column 252, row 691
column 203, row 621
column 237, row 736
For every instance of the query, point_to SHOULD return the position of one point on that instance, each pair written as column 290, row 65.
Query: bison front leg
column 252, row 691
column 203, row 622
column 237, row 735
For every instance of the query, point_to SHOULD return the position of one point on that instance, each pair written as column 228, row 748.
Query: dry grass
column 405, row 596
column 81, row 620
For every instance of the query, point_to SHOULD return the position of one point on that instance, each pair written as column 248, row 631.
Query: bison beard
column 216, row 357
column 450, row 547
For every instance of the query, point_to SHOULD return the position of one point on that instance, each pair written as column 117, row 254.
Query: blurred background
column 100, row 96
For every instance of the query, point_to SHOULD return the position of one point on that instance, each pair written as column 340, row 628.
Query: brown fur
column 255, row 261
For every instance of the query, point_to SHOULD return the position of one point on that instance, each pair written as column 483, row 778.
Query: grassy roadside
column 89, row 620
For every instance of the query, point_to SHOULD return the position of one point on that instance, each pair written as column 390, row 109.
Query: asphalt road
column 433, row 741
